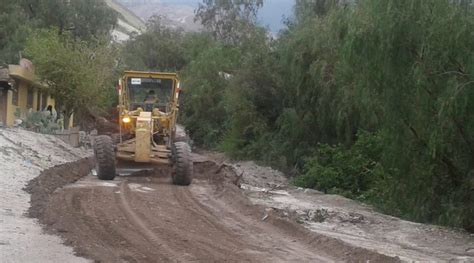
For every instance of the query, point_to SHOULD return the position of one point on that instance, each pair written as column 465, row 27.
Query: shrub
column 39, row 122
column 353, row 172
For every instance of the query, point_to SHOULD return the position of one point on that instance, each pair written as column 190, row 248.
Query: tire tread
column 105, row 157
column 183, row 174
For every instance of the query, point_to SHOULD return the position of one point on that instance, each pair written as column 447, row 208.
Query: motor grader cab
column 148, row 108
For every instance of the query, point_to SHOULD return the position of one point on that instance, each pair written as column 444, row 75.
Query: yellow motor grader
column 148, row 108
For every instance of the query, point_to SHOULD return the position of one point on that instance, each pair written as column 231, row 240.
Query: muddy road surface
column 142, row 217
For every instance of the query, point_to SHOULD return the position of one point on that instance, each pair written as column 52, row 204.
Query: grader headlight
column 126, row 119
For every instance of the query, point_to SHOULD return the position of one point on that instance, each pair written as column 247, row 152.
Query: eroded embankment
column 143, row 217
column 42, row 187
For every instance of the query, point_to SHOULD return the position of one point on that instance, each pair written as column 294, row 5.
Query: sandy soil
column 23, row 155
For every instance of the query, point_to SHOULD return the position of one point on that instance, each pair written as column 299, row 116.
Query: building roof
column 24, row 74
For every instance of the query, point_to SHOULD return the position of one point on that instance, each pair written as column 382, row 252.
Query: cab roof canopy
column 149, row 74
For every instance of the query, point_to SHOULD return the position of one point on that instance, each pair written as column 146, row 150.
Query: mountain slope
column 128, row 22
column 174, row 14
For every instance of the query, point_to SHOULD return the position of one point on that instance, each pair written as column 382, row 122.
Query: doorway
column 3, row 102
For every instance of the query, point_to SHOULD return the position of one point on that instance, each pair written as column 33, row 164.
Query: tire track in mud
column 231, row 240
column 247, row 225
column 176, row 232
column 98, row 228
column 132, row 254
column 185, row 236
column 74, row 201
column 198, row 236
column 185, row 198
column 137, row 222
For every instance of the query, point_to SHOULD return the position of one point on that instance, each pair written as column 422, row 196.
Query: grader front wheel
column 104, row 157
column 183, row 164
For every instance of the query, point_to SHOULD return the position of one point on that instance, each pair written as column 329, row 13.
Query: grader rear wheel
column 183, row 164
column 104, row 157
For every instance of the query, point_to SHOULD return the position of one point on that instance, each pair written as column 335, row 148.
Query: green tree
column 226, row 104
column 160, row 48
column 14, row 28
column 304, row 9
column 414, row 70
column 85, row 19
column 252, row 100
column 419, row 67
column 79, row 74
column 229, row 21
column 205, row 83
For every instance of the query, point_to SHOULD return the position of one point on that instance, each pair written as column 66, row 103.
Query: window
column 29, row 98
column 150, row 92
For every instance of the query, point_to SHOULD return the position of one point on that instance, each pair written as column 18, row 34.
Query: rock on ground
column 23, row 155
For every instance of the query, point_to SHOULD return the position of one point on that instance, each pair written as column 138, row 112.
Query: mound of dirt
column 42, row 187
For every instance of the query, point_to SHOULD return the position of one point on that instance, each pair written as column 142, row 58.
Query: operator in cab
column 151, row 97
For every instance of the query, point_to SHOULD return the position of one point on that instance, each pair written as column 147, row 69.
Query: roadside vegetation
column 373, row 100
column 370, row 99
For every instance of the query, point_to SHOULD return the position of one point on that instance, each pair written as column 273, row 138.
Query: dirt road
column 142, row 217
column 236, row 212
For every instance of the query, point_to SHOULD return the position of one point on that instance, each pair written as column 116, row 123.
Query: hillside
column 128, row 22
column 174, row 13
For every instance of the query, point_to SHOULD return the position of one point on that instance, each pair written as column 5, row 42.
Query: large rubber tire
column 104, row 157
column 183, row 164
